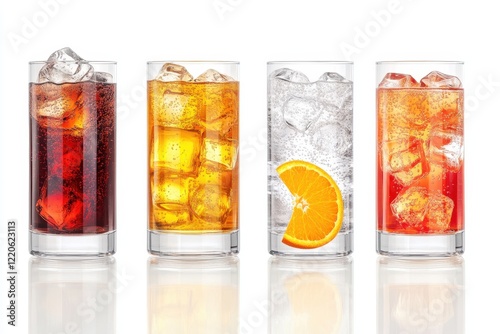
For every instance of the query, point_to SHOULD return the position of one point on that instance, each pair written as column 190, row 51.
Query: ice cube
column 398, row 80
column 176, row 109
column 65, row 154
column 446, row 147
column 289, row 75
column 332, row 77
column 58, row 106
column 169, row 192
column 220, row 151
column 335, row 96
column 166, row 219
column 176, row 150
column 221, row 108
column 60, row 206
column 332, row 138
column 213, row 76
column 65, row 66
column 440, row 210
column 437, row 79
column 173, row 72
column 300, row 113
column 210, row 202
column 411, row 206
column 102, row 77
column 405, row 159
column 210, row 173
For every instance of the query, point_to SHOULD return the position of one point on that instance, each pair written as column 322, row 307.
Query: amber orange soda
column 420, row 170
column 193, row 145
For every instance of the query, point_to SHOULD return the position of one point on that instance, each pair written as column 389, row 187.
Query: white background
column 254, row 32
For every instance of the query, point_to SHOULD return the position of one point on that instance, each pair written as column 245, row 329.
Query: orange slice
column 318, row 208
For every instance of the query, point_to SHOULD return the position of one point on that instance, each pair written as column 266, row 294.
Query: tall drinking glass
column 310, row 122
column 420, row 169
column 193, row 157
column 72, row 128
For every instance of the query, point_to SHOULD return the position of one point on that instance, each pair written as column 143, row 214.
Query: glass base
column 84, row 245
column 432, row 245
column 171, row 243
column 340, row 246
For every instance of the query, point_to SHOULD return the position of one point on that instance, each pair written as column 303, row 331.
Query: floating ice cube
column 221, row 109
column 289, row 75
column 168, row 192
column 405, row 159
column 337, row 94
column 446, row 147
column 58, row 106
column 220, row 151
column 176, row 108
column 332, row 138
column 102, row 77
column 176, row 150
column 411, row 205
column 65, row 66
column 210, row 173
column 60, row 205
column 213, row 76
column 437, row 79
column 332, row 77
column 210, row 202
column 173, row 72
column 300, row 114
column 164, row 219
column 440, row 210
column 398, row 80
column 64, row 158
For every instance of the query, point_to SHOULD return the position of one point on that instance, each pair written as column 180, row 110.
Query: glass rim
column 444, row 62
column 97, row 62
column 223, row 62
column 336, row 62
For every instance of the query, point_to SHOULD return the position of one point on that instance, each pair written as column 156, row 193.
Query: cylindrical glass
column 72, row 151
column 310, row 296
column 72, row 296
column 420, row 146
column 193, row 136
column 310, row 127
column 193, row 295
column 420, row 296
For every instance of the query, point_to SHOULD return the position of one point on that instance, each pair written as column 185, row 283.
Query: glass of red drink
column 420, row 167
column 72, row 153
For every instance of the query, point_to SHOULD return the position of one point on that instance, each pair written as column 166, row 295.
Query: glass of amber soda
column 420, row 168
column 193, row 164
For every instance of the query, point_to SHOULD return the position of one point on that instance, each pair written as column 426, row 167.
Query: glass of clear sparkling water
column 310, row 150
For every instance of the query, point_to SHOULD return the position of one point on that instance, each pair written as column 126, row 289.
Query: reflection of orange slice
column 318, row 208
column 315, row 302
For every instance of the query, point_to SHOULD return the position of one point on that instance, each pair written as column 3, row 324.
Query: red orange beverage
column 420, row 156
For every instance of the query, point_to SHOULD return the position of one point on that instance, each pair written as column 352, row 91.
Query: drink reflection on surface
column 193, row 295
column 72, row 296
column 421, row 296
column 310, row 296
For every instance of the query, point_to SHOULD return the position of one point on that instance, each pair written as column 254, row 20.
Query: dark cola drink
column 73, row 157
column 72, row 151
